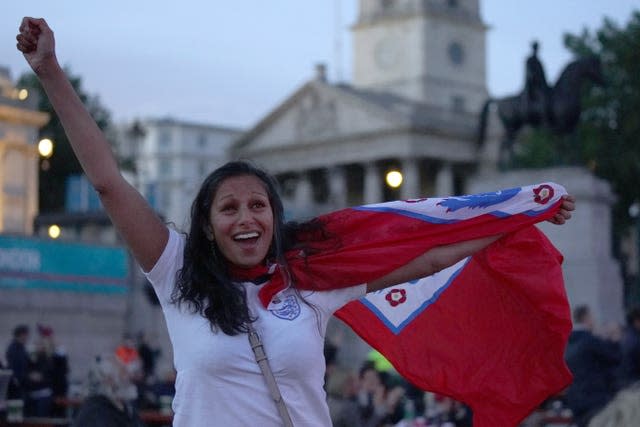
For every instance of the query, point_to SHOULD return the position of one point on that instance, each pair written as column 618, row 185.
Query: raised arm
column 431, row 262
column 441, row 257
column 142, row 230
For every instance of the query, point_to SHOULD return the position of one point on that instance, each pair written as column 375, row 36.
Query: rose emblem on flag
column 542, row 194
column 396, row 297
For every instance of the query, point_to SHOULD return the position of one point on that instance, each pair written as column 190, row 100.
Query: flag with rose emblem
column 489, row 331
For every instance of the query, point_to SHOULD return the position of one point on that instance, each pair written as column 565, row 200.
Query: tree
column 54, row 171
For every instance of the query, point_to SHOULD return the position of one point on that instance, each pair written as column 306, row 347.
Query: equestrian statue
column 556, row 108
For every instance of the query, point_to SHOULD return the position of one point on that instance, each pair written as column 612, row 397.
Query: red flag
column 489, row 331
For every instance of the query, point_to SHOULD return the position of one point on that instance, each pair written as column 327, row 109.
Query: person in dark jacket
column 18, row 361
column 629, row 372
column 593, row 362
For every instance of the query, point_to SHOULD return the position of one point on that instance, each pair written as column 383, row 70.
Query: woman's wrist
column 48, row 67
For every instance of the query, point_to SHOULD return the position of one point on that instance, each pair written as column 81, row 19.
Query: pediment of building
column 323, row 124
column 315, row 114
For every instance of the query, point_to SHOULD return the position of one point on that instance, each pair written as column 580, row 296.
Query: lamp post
column 394, row 178
column 45, row 149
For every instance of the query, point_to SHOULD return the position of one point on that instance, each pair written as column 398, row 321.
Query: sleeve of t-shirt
column 330, row 301
column 163, row 274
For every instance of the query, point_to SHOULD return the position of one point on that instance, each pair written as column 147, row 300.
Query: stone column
column 444, row 180
column 411, row 179
column 303, row 197
column 372, row 184
column 337, row 178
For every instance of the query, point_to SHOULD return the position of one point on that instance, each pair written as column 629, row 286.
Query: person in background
column 148, row 356
column 378, row 398
column 629, row 371
column 127, row 354
column 53, row 360
column 5, row 379
column 18, row 361
column 109, row 396
column 593, row 361
column 342, row 388
column 39, row 400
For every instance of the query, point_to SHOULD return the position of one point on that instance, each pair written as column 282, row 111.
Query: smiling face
column 241, row 220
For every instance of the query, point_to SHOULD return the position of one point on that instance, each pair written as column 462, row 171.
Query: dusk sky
column 232, row 62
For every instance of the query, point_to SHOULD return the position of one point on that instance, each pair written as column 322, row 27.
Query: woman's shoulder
column 335, row 298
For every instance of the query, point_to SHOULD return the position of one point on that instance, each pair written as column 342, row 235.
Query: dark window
column 458, row 104
column 456, row 53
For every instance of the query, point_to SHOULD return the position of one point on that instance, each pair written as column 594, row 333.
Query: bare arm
column 441, row 257
column 431, row 262
column 144, row 233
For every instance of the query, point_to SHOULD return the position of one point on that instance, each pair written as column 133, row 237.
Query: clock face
column 387, row 53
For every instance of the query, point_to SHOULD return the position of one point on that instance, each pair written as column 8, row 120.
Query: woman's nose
column 244, row 216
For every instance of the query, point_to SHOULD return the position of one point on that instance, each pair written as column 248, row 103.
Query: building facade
column 419, row 82
column 171, row 158
column 20, row 121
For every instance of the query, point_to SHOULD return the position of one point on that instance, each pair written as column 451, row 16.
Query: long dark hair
column 204, row 282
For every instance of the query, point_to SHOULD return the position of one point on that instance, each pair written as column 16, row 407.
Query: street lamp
column 23, row 94
column 45, row 149
column 54, row 231
column 394, row 178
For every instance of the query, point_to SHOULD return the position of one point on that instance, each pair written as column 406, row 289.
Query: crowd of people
column 39, row 372
column 123, row 380
column 120, row 384
column 376, row 396
column 604, row 364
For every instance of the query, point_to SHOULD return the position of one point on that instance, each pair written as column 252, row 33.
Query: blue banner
column 62, row 266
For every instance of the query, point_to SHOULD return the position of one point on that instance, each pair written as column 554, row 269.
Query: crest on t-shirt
column 288, row 308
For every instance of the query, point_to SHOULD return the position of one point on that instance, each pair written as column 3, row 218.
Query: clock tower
column 428, row 51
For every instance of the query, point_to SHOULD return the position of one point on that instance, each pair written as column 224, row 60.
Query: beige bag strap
column 272, row 385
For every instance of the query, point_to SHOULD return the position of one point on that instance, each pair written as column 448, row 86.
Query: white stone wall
column 408, row 54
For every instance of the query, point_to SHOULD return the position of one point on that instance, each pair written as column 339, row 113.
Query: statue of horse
column 557, row 108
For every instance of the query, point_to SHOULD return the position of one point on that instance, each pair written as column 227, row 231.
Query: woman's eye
column 258, row 205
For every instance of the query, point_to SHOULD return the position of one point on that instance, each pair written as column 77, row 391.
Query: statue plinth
column 592, row 275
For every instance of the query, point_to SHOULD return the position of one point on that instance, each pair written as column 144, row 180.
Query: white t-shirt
column 218, row 380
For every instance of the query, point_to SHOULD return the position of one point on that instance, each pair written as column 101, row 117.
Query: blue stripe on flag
column 397, row 329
